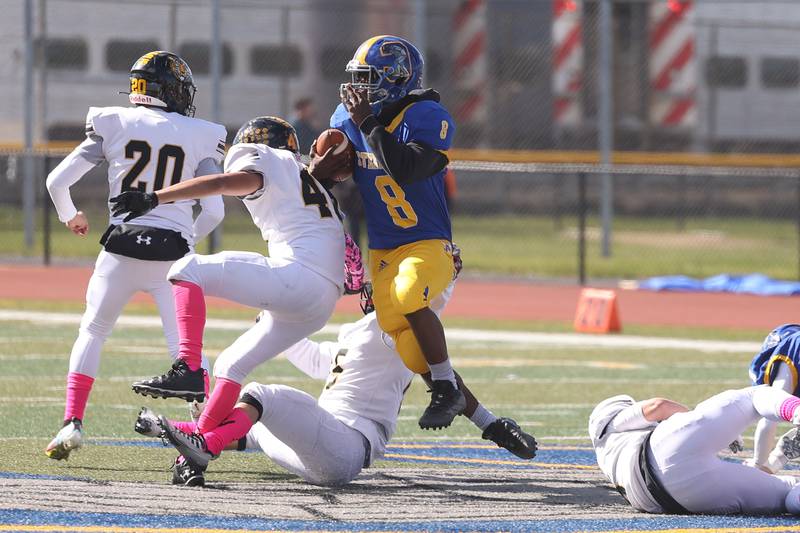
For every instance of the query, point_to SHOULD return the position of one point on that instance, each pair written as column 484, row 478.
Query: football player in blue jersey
column 776, row 364
column 401, row 134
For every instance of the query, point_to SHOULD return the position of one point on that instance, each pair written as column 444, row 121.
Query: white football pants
column 115, row 280
column 297, row 303
column 305, row 439
column 684, row 451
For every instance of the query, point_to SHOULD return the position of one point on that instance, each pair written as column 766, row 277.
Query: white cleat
column 147, row 424
column 69, row 438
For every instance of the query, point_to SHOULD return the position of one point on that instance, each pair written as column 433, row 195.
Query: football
column 333, row 137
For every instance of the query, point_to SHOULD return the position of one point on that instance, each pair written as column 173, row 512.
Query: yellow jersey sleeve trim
column 780, row 359
column 398, row 119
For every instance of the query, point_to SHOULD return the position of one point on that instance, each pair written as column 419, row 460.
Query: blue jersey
column 776, row 352
column 398, row 215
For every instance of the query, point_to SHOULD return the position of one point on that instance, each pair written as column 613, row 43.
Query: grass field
column 549, row 389
column 532, row 246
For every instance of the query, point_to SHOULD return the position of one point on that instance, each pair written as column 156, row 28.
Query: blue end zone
column 177, row 523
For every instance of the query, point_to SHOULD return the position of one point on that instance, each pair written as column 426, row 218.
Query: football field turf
column 445, row 480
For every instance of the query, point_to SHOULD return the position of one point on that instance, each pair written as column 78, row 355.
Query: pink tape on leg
column 190, row 313
column 223, row 398
column 789, row 407
column 186, row 427
column 231, row 429
column 78, row 388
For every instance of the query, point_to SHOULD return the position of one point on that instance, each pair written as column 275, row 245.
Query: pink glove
column 354, row 274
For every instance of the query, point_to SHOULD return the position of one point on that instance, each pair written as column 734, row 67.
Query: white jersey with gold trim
column 148, row 149
column 297, row 216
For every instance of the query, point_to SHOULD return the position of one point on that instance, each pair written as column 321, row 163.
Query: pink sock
column 232, row 428
column 78, row 388
column 789, row 407
column 190, row 312
column 186, row 427
column 223, row 398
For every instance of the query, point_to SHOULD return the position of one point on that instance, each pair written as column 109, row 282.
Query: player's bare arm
column 405, row 162
column 659, row 409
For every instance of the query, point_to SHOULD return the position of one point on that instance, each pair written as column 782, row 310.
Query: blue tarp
column 745, row 284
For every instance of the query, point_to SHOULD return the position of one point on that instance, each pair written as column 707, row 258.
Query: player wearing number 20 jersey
column 149, row 149
column 151, row 145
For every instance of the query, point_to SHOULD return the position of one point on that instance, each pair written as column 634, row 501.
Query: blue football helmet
column 779, row 334
column 388, row 67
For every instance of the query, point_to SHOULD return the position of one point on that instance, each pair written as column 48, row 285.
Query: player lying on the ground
column 776, row 365
column 662, row 457
column 297, row 286
column 156, row 141
column 328, row 441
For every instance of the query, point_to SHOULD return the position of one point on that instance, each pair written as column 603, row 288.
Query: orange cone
column 597, row 312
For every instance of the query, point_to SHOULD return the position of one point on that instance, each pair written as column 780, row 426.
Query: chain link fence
column 696, row 84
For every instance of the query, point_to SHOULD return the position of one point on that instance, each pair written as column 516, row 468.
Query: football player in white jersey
column 662, row 457
column 327, row 441
column 156, row 142
column 297, row 285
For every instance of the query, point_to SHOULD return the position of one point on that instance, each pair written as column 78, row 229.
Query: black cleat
column 188, row 474
column 447, row 402
column 507, row 434
column 179, row 382
column 191, row 446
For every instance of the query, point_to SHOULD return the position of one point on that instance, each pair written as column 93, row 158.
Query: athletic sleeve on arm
column 211, row 214
column 630, row 419
column 246, row 157
column 72, row 168
column 212, row 207
column 312, row 358
column 405, row 162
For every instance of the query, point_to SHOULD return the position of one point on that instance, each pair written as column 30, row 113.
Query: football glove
column 135, row 203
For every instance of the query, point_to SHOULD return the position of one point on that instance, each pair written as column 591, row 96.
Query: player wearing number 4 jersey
column 401, row 134
column 155, row 143
column 297, row 286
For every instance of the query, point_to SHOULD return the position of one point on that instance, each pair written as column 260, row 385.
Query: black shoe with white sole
column 447, row 402
column 179, row 382
column 507, row 434
column 188, row 474
column 191, row 446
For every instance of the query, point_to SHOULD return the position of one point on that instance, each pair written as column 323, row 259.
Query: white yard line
column 456, row 334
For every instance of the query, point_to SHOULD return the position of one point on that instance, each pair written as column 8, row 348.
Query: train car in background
column 697, row 76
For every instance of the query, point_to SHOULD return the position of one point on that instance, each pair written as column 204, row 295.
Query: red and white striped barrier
column 470, row 68
column 567, row 61
column 673, row 69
